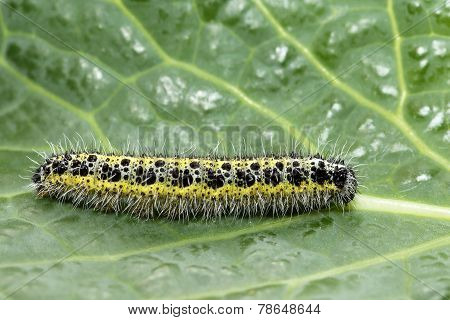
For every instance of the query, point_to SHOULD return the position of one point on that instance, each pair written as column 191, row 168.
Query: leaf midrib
column 415, row 209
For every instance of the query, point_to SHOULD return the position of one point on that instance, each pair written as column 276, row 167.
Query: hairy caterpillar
column 180, row 187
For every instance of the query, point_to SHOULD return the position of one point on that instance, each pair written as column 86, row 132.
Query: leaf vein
column 295, row 282
column 391, row 117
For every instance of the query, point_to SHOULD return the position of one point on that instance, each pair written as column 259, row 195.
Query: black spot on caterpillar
column 180, row 187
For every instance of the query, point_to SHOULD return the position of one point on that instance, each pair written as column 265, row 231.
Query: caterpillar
column 183, row 187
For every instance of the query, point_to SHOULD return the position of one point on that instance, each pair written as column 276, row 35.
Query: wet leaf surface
column 337, row 68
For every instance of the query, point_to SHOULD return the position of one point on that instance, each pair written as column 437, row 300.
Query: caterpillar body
column 183, row 187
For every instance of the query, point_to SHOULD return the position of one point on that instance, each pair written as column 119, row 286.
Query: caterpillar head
column 345, row 179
